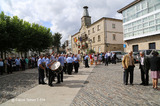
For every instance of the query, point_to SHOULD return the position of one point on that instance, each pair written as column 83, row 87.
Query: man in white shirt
column 142, row 68
column 41, row 69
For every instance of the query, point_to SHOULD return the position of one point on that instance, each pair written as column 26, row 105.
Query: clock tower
column 86, row 19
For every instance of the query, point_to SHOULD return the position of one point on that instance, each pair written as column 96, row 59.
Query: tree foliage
column 22, row 35
column 57, row 40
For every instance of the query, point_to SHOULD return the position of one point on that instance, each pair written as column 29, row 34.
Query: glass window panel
column 151, row 29
column 158, row 21
column 145, row 11
column 139, row 14
column 146, row 30
column 134, row 23
column 151, row 9
column 135, row 28
column 151, row 23
column 138, row 7
column 157, row 6
column 145, row 25
column 145, row 19
column 158, row 27
column 157, row 15
column 140, row 26
column 144, row 5
column 151, row 17
column 140, row 32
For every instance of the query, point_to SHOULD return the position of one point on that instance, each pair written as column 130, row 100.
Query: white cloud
column 64, row 15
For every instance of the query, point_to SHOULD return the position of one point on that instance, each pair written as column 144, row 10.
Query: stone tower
column 86, row 19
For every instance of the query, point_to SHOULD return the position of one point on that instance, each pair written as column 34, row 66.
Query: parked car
column 149, row 52
column 136, row 57
column 119, row 54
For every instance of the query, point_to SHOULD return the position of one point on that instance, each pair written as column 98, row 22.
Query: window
column 94, row 49
column 98, row 27
column 114, row 37
column 135, row 48
column 93, row 30
column 88, row 32
column 99, row 38
column 152, row 46
column 93, row 39
column 113, row 26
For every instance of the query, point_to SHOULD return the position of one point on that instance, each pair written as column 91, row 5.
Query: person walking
column 23, row 64
column 41, row 69
column 128, row 65
column 1, row 66
column 155, row 69
column 95, row 59
column 17, row 63
column 113, row 58
column 76, row 63
column 60, row 75
column 69, row 64
column 26, row 60
column 106, row 59
column 86, row 61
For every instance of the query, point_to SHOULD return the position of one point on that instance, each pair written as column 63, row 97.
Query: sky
column 63, row 16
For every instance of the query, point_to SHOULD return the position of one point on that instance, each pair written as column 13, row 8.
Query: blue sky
column 59, row 15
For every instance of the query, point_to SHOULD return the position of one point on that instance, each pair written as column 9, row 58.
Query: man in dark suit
column 144, row 68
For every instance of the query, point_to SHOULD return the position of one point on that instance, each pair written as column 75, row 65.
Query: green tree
column 57, row 40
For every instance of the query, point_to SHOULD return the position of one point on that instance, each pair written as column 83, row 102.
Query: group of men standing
column 67, row 63
column 145, row 64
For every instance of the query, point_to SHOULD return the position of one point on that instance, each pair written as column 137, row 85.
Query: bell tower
column 86, row 19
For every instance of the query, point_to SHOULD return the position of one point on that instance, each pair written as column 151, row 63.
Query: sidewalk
column 59, row 95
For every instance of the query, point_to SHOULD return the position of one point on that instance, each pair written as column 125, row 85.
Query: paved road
column 12, row 85
column 105, row 87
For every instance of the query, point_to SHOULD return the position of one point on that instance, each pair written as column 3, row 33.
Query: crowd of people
column 9, row 65
column 100, row 58
column 146, row 63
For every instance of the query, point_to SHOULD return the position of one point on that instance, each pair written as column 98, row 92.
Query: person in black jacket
column 144, row 67
column 155, row 69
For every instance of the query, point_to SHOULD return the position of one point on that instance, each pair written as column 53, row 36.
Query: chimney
column 85, row 13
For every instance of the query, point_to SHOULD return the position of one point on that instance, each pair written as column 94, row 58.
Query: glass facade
column 142, row 18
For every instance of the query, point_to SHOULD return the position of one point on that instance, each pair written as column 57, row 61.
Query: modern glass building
column 141, row 20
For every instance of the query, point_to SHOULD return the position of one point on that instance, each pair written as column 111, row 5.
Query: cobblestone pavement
column 105, row 87
column 12, row 85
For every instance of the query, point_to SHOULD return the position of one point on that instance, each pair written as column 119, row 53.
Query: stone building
column 106, row 34
column 141, row 24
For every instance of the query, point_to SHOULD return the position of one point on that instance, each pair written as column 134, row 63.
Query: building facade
column 141, row 24
column 106, row 34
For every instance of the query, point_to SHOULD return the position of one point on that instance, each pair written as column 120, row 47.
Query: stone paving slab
column 106, row 88
column 59, row 95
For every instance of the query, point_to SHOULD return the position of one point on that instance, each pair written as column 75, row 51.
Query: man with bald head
column 128, row 65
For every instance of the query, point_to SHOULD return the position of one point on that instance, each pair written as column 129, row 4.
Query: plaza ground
column 95, row 86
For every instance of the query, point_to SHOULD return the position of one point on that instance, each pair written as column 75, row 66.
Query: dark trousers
column 65, row 68
column 23, row 67
column 60, row 76
column 128, row 72
column 142, row 75
column 41, row 75
column 147, row 76
column 17, row 67
column 106, row 61
column 109, row 59
column 86, row 63
column 69, row 68
column 113, row 61
column 51, row 76
column 9, row 69
column 76, row 66
column 1, row 70
column 47, row 72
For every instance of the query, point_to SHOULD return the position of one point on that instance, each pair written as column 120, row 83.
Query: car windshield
column 158, row 51
column 148, row 52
